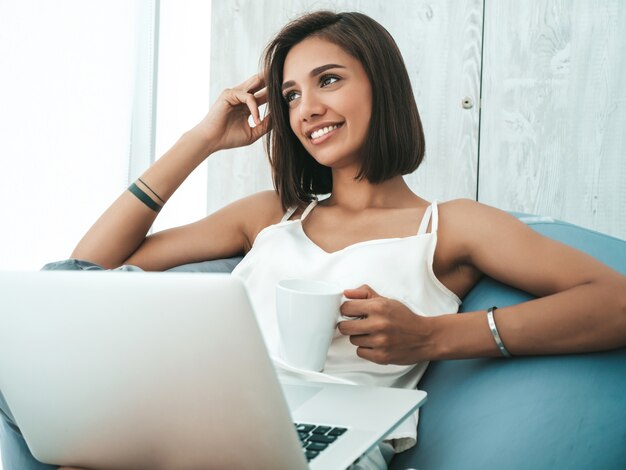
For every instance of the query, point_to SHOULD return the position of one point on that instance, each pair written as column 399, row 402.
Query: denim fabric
column 214, row 266
column 80, row 265
column 15, row 453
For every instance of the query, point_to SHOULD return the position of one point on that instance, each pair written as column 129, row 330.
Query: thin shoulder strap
column 425, row 220
column 289, row 213
column 435, row 224
column 309, row 208
column 430, row 210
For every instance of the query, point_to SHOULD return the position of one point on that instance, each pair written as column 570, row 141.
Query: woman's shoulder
column 258, row 211
column 263, row 208
column 466, row 221
column 470, row 212
column 268, row 199
column 468, row 231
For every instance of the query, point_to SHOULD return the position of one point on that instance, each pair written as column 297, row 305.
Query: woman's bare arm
column 228, row 232
column 582, row 304
column 119, row 235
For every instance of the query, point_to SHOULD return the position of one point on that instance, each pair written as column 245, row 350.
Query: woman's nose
column 310, row 106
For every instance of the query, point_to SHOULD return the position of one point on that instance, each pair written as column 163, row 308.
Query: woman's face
column 330, row 101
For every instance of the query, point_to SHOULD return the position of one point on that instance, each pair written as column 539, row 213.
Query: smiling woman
column 343, row 122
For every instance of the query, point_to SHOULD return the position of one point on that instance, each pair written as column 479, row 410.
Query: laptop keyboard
column 315, row 439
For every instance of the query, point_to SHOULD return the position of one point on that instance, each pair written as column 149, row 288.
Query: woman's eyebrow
column 323, row 68
column 316, row 71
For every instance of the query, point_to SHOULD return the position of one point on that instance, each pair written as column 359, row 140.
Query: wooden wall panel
column 440, row 41
column 553, row 130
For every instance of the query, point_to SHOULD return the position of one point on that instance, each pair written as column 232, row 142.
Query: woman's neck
column 352, row 194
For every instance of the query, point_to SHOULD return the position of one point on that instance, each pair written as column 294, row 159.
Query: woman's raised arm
column 119, row 235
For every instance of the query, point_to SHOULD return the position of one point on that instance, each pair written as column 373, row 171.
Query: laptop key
column 322, row 438
column 317, row 446
column 305, row 427
column 316, row 438
column 311, row 454
column 321, row 429
column 337, row 431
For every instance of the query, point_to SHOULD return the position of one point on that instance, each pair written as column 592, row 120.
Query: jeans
column 15, row 453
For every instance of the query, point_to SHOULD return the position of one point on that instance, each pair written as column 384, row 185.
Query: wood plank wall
column 553, row 124
column 552, row 121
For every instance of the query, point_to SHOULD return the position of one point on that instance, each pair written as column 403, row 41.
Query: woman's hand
column 226, row 125
column 388, row 332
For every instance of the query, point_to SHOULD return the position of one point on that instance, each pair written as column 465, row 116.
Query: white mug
column 308, row 312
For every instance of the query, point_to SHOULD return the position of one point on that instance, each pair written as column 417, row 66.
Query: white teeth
column 325, row 130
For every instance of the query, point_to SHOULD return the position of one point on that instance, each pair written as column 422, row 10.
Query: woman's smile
column 323, row 133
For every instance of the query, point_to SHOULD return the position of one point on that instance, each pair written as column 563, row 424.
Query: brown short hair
column 395, row 140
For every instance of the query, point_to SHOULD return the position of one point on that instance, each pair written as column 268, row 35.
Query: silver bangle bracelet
column 494, row 332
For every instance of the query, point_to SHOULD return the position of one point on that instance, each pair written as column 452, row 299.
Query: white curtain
column 67, row 92
column 183, row 97
column 77, row 113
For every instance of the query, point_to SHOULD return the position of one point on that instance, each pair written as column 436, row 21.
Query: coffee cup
column 307, row 312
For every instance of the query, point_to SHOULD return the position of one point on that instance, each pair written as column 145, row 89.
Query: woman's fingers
column 363, row 306
column 353, row 308
column 362, row 292
column 255, row 87
column 252, row 84
column 362, row 329
column 236, row 97
column 228, row 122
column 253, row 107
column 262, row 128
column 261, row 96
column 365, row 341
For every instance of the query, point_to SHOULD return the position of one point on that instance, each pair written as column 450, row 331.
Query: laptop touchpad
column 297, row 395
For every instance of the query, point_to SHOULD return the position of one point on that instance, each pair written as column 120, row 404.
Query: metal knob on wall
column 467, row 103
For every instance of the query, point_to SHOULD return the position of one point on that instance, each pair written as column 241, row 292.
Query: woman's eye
column 290, row 96
column 325, row 81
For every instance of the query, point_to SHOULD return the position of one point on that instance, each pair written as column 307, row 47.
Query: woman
column 343, row 122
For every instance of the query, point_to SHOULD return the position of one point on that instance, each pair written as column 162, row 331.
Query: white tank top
column 397, row 268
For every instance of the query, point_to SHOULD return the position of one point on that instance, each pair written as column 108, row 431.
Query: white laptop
column 168, row 371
